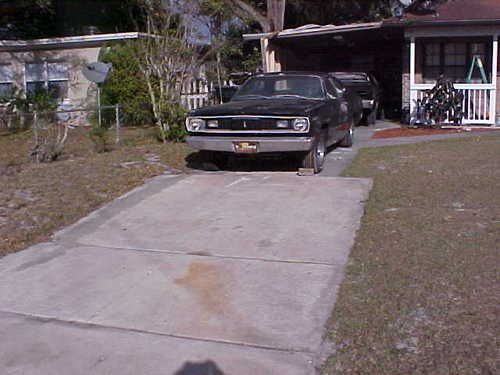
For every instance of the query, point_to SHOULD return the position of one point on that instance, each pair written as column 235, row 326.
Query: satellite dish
column 96, row 71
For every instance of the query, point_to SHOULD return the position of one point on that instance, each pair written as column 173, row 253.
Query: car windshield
column 308, row 87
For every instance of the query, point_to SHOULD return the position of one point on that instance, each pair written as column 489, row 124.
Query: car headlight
column 194, row 124
column 211, row 124
column 301, row 124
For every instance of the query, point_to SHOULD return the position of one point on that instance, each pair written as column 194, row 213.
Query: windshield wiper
column 292, row 96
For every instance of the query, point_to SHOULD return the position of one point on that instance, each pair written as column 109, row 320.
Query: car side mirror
column 331, row 97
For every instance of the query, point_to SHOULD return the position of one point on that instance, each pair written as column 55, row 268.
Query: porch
column 468, row 56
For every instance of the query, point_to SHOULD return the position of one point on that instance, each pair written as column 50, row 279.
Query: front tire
column 315, row 158
column 348, row 139
column 371, row 118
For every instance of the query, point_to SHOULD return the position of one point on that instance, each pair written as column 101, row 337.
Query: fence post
column 117, row 125
column 35, row 126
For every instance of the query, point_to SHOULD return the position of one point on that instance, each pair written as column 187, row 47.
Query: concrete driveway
column 226, row 273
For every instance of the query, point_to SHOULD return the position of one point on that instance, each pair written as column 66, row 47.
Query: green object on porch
column 476, row 61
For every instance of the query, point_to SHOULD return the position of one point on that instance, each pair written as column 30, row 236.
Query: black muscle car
column 367, row 87
column 288, row 112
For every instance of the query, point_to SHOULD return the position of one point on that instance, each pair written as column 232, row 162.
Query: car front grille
column 250, row 124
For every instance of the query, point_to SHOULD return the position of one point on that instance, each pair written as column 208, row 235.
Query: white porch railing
column 197, row 93
column 478, row 105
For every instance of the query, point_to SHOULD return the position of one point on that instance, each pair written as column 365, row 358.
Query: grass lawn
column 421, row 293
column 37, row 199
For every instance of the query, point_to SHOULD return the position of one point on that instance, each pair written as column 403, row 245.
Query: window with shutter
column 6, row 80
column 47, row 76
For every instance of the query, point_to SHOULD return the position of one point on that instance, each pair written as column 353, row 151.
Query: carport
column 367, row 47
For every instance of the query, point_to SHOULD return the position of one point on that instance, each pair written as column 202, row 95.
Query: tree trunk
column 276, row 14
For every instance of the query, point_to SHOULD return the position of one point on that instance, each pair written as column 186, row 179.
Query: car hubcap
column 320, row 153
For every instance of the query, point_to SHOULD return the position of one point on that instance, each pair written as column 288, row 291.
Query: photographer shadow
column 200, row 368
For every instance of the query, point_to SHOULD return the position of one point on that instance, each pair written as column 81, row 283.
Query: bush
column 99, row 136
column 41, row 101
column 175, row 118
column 20, row 107
column 125, row 85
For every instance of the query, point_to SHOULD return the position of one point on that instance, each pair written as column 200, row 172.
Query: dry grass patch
column 37, row 199
column 422, row 291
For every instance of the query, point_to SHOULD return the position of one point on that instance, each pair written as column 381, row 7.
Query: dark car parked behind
column 367, row 87
column 290, row 112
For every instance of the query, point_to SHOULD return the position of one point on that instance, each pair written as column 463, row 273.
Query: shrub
column 125, row 85
column 99, row 136
column 175, row 118
column 41, row 101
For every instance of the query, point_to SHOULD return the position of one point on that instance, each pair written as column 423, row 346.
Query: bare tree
column 166, row 57
column 271, row 20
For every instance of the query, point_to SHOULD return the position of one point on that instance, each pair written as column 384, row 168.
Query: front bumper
column 368, row 104
column 264, row 144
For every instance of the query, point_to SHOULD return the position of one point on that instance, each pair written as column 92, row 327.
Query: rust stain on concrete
column 208, row 283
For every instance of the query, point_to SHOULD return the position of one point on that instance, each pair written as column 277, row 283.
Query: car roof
column 294, row 73
column 348, row 75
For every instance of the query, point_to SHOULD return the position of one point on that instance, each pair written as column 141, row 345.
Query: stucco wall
column 80, row 90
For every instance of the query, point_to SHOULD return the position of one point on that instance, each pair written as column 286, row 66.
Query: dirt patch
column 415, row 132
column 421, row 293
column 38, row 199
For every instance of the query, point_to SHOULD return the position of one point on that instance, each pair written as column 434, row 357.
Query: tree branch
column 243, row 9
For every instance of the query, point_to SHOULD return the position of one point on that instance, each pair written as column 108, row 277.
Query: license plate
column 245, row 147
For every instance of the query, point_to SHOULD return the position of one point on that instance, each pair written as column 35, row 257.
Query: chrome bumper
column 274, row 144
column 368, row 104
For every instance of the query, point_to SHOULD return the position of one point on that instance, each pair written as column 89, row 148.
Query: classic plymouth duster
column 295, row 113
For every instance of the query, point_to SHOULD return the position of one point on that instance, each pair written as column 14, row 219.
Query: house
column 456, row 38
column 54, row 64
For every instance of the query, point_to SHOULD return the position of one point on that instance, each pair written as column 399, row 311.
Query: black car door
column 342, row 110
column 332, row 111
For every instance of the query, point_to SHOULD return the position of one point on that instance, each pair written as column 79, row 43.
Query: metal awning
column 310, row 30
column 67, row 42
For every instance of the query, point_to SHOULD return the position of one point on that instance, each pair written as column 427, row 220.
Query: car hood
column 261, row 107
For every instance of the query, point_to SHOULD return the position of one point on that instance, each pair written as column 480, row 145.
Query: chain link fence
column 51, row 129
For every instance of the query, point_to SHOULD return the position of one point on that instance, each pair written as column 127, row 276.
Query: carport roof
column 308, row 30
column 67, row 42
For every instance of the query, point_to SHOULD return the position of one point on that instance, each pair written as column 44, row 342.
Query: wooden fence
column 199, row 93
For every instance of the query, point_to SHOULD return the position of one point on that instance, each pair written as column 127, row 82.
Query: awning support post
column 270, row 62
column 494, row 70
column 413, row 93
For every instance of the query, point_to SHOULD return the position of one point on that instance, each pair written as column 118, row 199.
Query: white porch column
column 269, row 58
column 413, row 93
column 494, row 70
column 264, row 43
